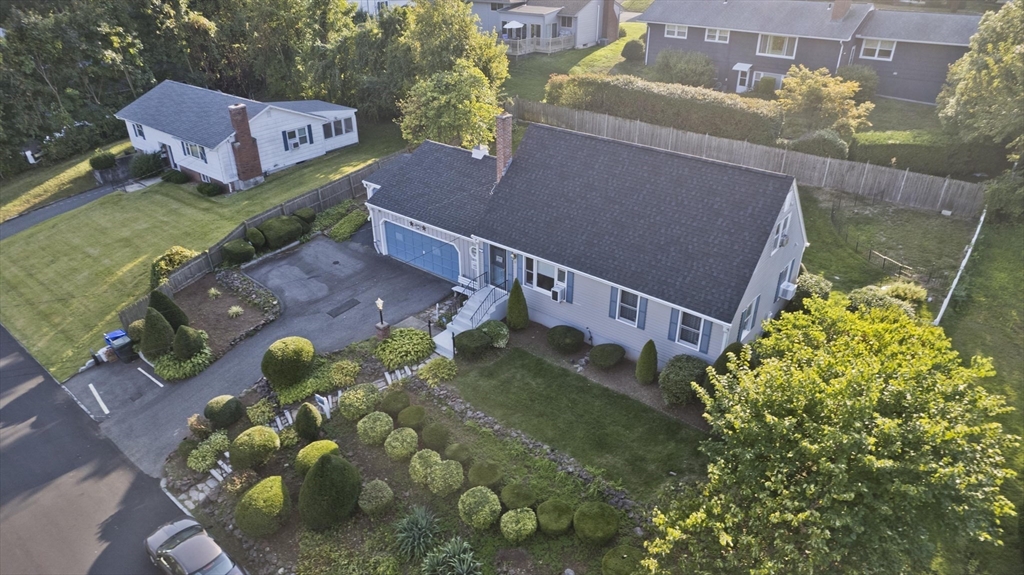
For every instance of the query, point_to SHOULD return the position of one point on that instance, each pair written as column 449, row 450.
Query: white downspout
column 839, row 61
column 647, row 44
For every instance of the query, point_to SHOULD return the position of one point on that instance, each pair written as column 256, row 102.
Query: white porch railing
column 543, row 45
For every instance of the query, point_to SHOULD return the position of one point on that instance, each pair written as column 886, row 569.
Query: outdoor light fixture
column 380, row 309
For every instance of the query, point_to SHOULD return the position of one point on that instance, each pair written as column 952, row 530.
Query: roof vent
column 480, row 150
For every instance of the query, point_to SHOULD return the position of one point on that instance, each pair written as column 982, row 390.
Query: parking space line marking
column 149, row 376
column 95, row 394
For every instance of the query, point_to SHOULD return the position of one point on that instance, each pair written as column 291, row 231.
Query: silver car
column 182, row 547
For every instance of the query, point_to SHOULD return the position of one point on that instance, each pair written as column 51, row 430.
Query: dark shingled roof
column 682, row 229
column 191, row 113
column 924, row 27
column 438, row 185
column 310, row 106
column 789, row 17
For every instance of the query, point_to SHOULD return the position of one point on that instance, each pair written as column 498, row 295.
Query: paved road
column 26, row 221
column 70, row 502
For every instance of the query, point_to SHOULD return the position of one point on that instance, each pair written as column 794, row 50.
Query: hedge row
column 928, row 153
column 698, row 110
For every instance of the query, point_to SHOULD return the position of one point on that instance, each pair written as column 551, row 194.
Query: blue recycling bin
column 113, row 336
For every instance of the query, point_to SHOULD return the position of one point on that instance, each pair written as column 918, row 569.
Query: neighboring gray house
column 912, row 51
column 693, row 254
column 549, row 25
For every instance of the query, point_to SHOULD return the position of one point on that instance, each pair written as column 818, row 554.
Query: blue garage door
column 422, row 251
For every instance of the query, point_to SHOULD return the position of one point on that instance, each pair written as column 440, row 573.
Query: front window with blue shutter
column 691, row 330
column 628, row 308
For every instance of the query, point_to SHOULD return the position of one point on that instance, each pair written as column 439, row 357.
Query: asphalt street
column 70, row 501
column 29, row 219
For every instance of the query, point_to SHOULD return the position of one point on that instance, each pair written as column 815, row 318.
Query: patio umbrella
column 513, row 25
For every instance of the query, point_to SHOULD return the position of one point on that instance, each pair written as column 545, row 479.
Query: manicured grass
column 631, row 442
column 45, row 185
column 898, row 115
column 828, row 254
column 62, row 281
column 636, row 5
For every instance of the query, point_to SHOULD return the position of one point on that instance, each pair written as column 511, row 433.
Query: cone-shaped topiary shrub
column 420, row 465
column 412, row 416
column 445, row 478
column 479, row 508
column 435, row 436
column 565, row 339
column 458, row 452
column 622, row 560
column 187, row 343
column 721, row 364
column 287, row 362
column 554, row 517
column 518, row 316
column 312, row 453
column 375, row 428
column 647, row 364
column 254, row 447
column 263, row 508
column 329, row 493
column 607, row 355
column 237, row 252
column 485, row 474
column 157, row 336
column 255, row 238
column 518, row 525
column 472, row 344
column 401, row 443
column 223, row 410
column 307, row 215
column 308, row 421
column 375, row 498
column 596, row 523
column 159, row 301
column 394, row 402
column 517, row 495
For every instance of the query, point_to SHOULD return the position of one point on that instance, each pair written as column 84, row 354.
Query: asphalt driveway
column 328, row 290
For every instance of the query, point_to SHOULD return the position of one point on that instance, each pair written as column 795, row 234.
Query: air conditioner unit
column 558, row 293
column 783, row 240
column 787, row 290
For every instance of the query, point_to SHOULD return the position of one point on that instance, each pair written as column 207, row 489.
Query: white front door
column 742, row 81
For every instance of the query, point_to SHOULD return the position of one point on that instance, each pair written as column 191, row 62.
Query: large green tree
column 441, row 32
column 858, row 443
column 822, row 100
column 982, row 97
column 456, row 107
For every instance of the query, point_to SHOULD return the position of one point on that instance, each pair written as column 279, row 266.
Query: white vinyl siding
column 675, row 31
column 776, row 46
column 878, row 49
column 267, row 127
column 716, row 35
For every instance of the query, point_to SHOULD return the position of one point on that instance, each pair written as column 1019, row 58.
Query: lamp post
column 383, row 329
column 380, row 309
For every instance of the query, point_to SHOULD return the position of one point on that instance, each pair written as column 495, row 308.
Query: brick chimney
column 247, row 153
column 839, row 9
column 611, row 21
column 503, row 139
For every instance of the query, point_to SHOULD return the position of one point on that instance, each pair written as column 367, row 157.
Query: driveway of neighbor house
column 328, row 290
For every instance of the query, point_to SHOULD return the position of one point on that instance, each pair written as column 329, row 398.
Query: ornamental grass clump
column 375, row 428
column 235, row 311
column 415, row 533
column 376, row 498
column 262, row 510
column 213, row 293
column 479, row 508
column 518, row 525
column 405, row 346
column 454, row 557
column 445, row 478
column 401, row 443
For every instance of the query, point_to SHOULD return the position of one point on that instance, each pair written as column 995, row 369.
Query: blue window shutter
column 309, row 132
column 519, row 263
column 487, row 264
column 202, row 153
column 783, row 276
column 508, row 271
column 754, row 324
column 641, row 315
column 183, row 150
column 705, row 337
column 614, row 301
column 673, row 325
column 569, row 280
column 284, row 136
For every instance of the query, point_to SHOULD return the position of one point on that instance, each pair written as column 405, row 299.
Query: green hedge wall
column 687, row 108
column 928, row 153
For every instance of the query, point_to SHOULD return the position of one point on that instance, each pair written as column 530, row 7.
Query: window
column 759, row 75
column 534, row 30
column 779, row 234
column 675, row 31
column 716, row 35
column 878, row 49
column 542, row 275
column 690, row 327
column 747, row 318
column 382, row 6
column 297, row 138
column 194, row 150
column 204, row 178
column 496, row 6
column 783, row 278
column 629, row 303
column 139, row 131
column 776, row 46
column 565, row 21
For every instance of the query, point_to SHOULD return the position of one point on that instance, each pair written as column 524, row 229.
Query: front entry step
column 444, row 345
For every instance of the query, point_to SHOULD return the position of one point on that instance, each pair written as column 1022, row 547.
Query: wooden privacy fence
column 349, row 187
column 961, row 199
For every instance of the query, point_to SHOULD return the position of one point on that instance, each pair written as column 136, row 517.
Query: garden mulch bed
column 621, row 378
column 211, row 315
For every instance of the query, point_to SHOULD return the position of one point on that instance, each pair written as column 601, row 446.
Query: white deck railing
column 543, row 45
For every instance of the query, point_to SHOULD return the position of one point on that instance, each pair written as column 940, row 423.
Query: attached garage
column 422, row 251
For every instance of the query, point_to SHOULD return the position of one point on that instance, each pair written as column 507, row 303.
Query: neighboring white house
column 549, row 25
column 232, row 141
column 374, row 7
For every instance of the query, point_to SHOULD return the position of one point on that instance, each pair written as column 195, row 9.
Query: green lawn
column 828, row 254
column 636, row 5
column 63, row 280
column 896, row 115
column 44, row 185
column 631, row 442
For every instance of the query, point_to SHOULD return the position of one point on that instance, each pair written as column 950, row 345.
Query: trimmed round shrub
column 485, row 474
column 825, row 143
column 255, row 237
column 307, row 215
column 479, row 508
column 223, row 411
column 401, row 443
column 188, row 342
column 157, row 336
column 634, row 51
column 721, row 365
column 607, row 355
column 435, row 436
column 174, row 315
column 176, row 177
column 497, row 331
column 254, row 447
column 906, row 291
column 421, row 463
column 303, row 225
column 596, row 523
column 329, row 492
column 437, row 370
column 281, row 231
column 565, row 339
column 358, row 401
column 287, row 361
column 167, row 262
column 647, row 364
column 413, row 416
column 308, row 421
column 472, row 344
column 312, row 453
column 146, row 165
column 209, row 189
column 263, row 508
column 102, row 161
column 394, row 402
column 554, row 517
column 675, row 379
column 237, row 252
column 809, row 285
column 376, row 497
column 135, row 330
column 517, row 495
column 518, row 524
column 518, row 315
column 375, row 428
column 622, row 560
column 458, row 452
column 875, row 297
column 445, row 478
column 405, row 346
column 866, row 76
